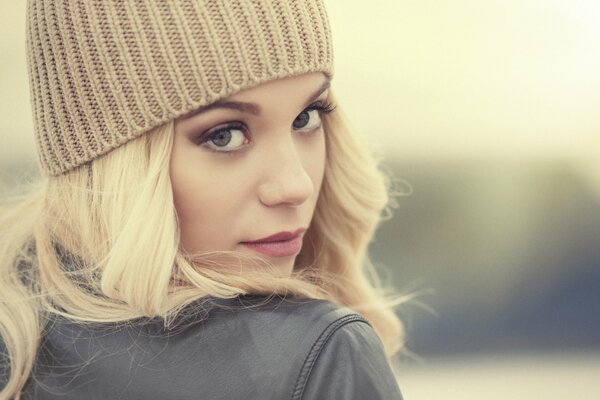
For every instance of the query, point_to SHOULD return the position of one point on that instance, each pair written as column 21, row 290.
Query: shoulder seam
column 316, row 349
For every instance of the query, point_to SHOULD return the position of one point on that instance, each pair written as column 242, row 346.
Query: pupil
column 301, row 120
column 222, row 138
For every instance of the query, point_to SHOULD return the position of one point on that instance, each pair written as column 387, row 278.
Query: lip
column 281, row 244
column 279, row 236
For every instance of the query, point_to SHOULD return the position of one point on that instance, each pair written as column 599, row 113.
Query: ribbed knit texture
column 103, row 72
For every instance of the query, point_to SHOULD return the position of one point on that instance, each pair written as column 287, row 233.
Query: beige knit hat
column 103, row 72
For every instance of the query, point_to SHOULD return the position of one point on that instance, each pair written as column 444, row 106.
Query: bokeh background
column 486, row 115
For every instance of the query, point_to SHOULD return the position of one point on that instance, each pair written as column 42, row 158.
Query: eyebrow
column 251, row 108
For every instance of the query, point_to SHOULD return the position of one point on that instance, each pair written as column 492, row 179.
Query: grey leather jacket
column 284, row 349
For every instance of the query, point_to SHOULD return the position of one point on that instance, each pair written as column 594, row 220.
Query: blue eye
column 225, row 139
column 230, row 138
column 307, row 120
column 310, row 118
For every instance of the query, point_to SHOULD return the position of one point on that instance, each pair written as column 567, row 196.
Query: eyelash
column 323, row 107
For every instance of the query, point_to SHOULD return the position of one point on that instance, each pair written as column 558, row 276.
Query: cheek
column 206, row 216
column 314, row 161
column 205, row 203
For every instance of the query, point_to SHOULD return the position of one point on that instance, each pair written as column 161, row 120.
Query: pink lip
column 282, row 244
column 279, row 236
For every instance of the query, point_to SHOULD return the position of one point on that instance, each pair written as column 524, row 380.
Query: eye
column 225, row 139
column 229, row 138
column 310, row 118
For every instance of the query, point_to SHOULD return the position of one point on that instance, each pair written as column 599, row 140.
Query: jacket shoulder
column 246, row 347
column 342, row 356
column 348, row 362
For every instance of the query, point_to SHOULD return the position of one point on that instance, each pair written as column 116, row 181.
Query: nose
column 286, row 180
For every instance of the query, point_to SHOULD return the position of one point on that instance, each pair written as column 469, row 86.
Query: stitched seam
column 315, row 350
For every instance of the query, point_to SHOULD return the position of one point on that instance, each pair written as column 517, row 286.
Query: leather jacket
column 285, row 348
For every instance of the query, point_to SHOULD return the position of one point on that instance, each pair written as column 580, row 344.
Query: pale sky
column 426, row 78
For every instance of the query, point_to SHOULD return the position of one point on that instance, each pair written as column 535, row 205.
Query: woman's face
column 251, row 166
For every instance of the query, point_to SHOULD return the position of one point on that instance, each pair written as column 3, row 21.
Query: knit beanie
column 103, row 72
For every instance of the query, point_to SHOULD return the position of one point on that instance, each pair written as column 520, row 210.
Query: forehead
column 301, row 85
column 296, row 89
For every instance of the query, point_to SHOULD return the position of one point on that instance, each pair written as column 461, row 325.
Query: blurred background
column 487, row 113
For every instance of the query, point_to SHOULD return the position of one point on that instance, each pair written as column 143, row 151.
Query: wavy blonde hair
column 115, row 221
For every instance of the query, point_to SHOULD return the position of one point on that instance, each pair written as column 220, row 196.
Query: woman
column 201, row 226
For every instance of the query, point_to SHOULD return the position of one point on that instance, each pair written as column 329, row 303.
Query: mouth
column 284, row 248
column 279, row 236
column 281, row 244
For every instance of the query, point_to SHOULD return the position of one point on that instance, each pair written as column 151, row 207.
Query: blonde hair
column 101, row 244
